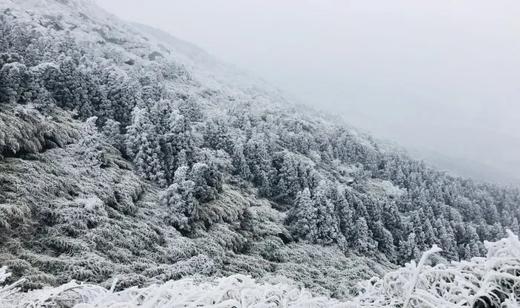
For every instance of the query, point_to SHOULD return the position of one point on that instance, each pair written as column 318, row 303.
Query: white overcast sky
column 442, row 75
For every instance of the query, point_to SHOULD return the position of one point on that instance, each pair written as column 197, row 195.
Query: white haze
column 438, row 77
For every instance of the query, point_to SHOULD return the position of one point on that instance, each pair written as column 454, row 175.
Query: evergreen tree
column 408, row 249
column 144, row 148
column 472, row 240
column 208, row 181
column 327, row 225
column 217, row 135
column 515, row 227
column 384, row 239
column 180, row 200
column 364, row 242
column 345, row 213
column 89, row 145
column 259, row 163
column 239, row 161
column 112, row 132
column 302, row 218
column 15, row 82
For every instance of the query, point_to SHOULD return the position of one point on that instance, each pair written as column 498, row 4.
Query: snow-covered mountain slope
column 127, row 154
column 77, row 211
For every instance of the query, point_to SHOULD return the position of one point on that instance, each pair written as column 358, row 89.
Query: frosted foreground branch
column 490, row 281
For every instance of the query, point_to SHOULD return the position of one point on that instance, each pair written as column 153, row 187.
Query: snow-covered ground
column 492, row 281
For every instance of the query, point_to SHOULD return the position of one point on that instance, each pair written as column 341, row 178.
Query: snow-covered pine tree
column 302, row 218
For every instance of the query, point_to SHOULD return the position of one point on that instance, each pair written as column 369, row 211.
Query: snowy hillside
column 129, row 158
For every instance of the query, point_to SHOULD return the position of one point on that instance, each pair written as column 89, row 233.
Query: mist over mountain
column 432, row 77
column 152, row 174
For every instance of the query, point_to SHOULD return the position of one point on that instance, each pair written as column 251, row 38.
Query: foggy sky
column 440, row 76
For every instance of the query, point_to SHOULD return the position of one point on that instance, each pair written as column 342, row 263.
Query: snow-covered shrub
column 7, row 292
column 492, row 281
column 24, row 130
